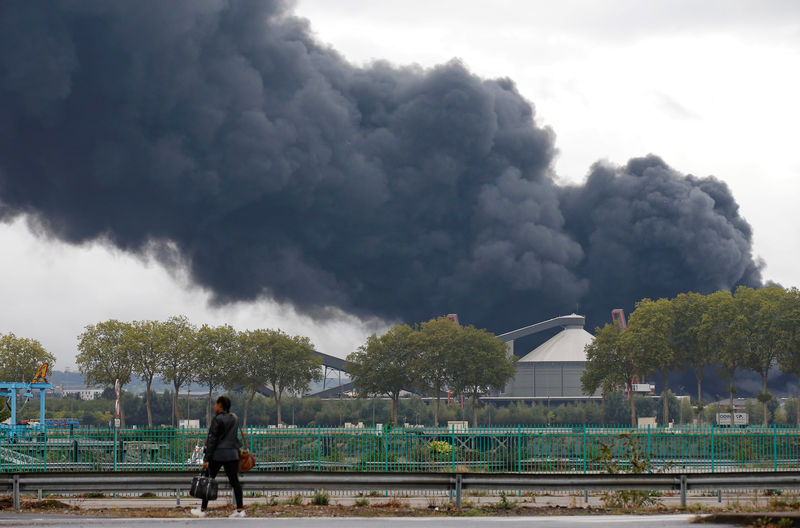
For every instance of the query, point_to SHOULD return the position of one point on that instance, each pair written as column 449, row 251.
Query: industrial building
column 552, row 371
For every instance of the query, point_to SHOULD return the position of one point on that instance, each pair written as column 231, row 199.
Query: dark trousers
column 232, row 471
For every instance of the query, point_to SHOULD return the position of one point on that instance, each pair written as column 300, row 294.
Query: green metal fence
column 523, row 449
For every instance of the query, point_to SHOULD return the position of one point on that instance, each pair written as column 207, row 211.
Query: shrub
column 504, row 503
column 321, row 498
column 296, row 500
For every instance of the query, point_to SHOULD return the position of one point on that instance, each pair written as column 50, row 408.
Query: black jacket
column 223, row 433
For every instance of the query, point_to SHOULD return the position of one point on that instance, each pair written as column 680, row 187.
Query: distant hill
column 76, row 379
column 69, row 378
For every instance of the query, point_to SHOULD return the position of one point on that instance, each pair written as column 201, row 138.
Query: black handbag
column 204, row 487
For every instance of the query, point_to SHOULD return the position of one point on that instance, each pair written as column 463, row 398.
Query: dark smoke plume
column 277, row 168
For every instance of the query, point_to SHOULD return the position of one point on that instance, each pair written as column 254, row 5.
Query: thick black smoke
column 279, row 169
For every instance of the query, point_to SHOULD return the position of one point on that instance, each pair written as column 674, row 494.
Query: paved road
column 605, row 521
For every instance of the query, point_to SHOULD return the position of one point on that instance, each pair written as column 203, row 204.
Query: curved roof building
column 553, row 369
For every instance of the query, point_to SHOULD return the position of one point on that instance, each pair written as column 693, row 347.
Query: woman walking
column 222, row 451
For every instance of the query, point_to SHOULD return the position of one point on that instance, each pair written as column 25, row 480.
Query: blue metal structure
column 10, row 389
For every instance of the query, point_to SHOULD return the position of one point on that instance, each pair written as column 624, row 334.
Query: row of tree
column 752, row 329
column 180, row 354
column 430, row 358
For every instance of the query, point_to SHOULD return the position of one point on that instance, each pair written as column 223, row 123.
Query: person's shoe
column 239, row 513
column 197, row 512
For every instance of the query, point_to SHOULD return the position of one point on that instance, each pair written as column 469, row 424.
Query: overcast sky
column 709, row 86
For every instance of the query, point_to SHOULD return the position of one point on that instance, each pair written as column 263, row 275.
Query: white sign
column 646, row 422
column 116, row 422
column 739, row 418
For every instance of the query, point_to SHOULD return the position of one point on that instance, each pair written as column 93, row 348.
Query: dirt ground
column 480, row 505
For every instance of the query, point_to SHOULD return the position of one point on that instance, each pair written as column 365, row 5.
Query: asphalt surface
column 604, row 521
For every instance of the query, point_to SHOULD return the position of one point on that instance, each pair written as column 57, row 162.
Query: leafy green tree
column 438, row 347
column 611, row 362
column 21, row 357
column 761, row 311
column 145, row 346
column 722, row 331
column 104, row 356
column 385, row 364
column 651, row 326
column 288, row 364
column 483, row 364
column 216, row 348
column 688, row 309
column 789, row 346
column 247, row 372
column 178, row 338
column 601, row 371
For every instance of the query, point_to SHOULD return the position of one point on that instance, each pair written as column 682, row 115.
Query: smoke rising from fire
column 278, row 169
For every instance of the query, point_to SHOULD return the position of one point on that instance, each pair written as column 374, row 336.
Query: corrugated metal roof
column 567, row 345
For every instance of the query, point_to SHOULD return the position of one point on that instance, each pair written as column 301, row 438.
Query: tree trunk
column 603, row 408
column 147, row 403
column 730, row 389
column 208, row 405
column 798, row 402
column 247, row 403
column 764, row 392
column 121, row 410
column 666, row 399
column 475, row 404
column 436, row 407
column 175, row 406
column 633, row 407
column 278, row 408
column 395, row 398
column 699, row 392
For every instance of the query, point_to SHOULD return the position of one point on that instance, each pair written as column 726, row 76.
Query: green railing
column 578, row 449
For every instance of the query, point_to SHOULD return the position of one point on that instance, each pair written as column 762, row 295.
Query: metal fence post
column 712, row 448
column 583, row 450
column 386, row 450
column 183, row 432
column 775, row 445
column 648, row 448
column 458, row 490
column 319, row 448
column 683, row 491
column 116, row 436
column 15, row 488
column 519, row 449
column 453, row 449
